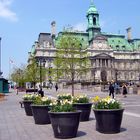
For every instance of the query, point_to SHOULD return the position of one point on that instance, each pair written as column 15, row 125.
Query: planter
column 40, row 114
column 108, row 121
column 27, row 107
column 85, row 110
column 65, row 124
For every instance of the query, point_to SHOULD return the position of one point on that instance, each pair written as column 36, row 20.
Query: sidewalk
column 15, row 125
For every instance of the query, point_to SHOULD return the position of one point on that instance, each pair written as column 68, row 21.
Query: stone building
column 113, row 56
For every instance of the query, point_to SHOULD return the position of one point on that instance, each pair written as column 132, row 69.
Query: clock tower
column 93, row 28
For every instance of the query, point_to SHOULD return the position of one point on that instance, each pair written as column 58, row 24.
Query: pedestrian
column 111, row 90
column 117, row 88
column 124, row 90
column 56, row 86
column 17, row 89
column 40, row 91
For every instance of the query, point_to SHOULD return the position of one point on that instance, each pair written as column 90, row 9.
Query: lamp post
column 116, row 76
column 0, row 58
column 49, row 74
column 41, row 63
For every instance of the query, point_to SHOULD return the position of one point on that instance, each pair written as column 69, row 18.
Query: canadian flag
column 11, row 61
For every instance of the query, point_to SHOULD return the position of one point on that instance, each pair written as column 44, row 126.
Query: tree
column 18, row 76
column 71, row 59
column 34, row 72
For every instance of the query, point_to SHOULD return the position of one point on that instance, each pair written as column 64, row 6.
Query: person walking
column 124, row 90
column 56, row 86
column 40, row 91
column 111, row 90
column 17, row 88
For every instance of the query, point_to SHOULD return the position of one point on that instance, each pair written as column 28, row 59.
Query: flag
column 11, row 61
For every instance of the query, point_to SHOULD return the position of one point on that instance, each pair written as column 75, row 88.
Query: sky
column 21, row 21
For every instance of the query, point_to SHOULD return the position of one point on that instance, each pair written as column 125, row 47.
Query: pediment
column 103, row 55
column 100, row 37
column 100, row 43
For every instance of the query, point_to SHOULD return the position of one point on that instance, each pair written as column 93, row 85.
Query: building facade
column 113, row 56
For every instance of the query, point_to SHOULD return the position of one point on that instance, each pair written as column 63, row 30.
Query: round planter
column 108, row 121
column 65, row 124
column 85, row 110
column 27, row 107
column 40, row 114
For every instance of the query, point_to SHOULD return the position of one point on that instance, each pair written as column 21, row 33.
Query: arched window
column 132, row 75
column 94, row 21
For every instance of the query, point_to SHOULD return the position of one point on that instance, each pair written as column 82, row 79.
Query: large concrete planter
column 65, row 124
column 85, row 109
column 27, row 107
column 40, row 114
column 108, row 121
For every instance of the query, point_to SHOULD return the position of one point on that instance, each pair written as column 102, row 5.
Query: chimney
column 128, row 33
column 53, row 29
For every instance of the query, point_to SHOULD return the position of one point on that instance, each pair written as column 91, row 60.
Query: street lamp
column 41, row 63
column 49, row 75
column 116, row 75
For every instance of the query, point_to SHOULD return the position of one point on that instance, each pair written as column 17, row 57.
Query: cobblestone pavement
column 15, row 125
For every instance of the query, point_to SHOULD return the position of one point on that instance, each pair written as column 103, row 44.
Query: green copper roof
column 83, row 37
column 120, row 44
column 92, row 9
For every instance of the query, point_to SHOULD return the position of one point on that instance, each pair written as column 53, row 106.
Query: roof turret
column 92, row 9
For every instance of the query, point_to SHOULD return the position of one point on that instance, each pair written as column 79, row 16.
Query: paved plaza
column 15, row 125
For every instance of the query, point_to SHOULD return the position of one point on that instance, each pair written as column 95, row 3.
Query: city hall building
column 113, row 56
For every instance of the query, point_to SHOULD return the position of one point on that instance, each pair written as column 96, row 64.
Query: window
column 123, row 47
column 117, row 47
column 94, row 21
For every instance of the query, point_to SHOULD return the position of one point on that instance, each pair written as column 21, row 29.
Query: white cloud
column 5, row 11
column 80, row 26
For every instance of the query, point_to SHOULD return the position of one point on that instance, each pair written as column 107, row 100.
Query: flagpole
column 9, row 69
column 0, row 58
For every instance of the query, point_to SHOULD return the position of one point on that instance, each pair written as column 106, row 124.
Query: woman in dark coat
column 124, row 92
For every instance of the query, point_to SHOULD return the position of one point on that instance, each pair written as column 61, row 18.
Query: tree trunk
column 72, row 84
column 34, row 87
column 72, row 88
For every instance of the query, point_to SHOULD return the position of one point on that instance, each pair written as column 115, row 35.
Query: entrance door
column 104, row 76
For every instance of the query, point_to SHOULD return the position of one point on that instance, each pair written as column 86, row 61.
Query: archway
column 104, row 76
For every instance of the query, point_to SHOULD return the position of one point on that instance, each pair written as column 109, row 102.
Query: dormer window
column 123, row 47
column 117, row 47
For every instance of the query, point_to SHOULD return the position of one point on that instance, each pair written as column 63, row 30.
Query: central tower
column 93, row 28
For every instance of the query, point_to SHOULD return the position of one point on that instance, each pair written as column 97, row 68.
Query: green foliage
column 30, row 97
column 64, row 97
column 71, row 60
column 33, row 72
column 106, row 103
column 42, row 101
column 81, row 99
column 18, row 76
column 62, row 106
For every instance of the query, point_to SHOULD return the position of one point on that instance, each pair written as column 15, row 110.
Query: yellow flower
column 96, row 99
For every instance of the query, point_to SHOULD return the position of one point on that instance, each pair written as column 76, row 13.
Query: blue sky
column 21, row 21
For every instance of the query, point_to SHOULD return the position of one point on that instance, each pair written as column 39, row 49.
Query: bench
column 31, row 90
column 1, row 96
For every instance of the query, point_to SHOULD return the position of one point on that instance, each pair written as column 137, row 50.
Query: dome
column 92, row 9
